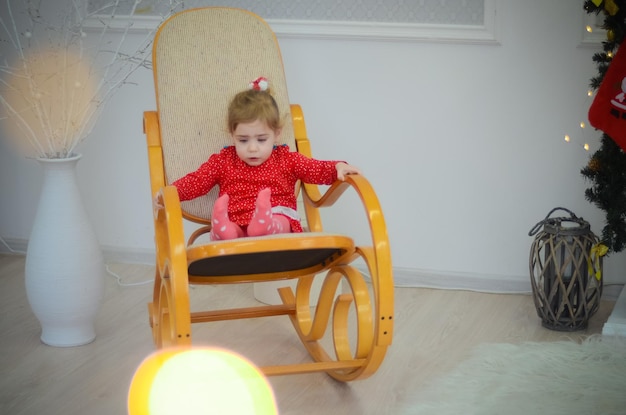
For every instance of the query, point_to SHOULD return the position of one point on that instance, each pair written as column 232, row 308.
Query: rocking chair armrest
column 357, row 181
column 167, row 206
column 369, row 199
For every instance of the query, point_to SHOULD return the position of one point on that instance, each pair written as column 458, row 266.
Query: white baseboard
column 468, row 281
column 616, row 323
column 129, row 255
column 110, row 253
column 410, row 277
column 403, row 277
column 13, row 246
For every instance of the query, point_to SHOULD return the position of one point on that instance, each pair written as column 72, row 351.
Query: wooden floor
column 435, row 329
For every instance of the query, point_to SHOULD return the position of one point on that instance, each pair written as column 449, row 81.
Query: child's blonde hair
column 251, row 105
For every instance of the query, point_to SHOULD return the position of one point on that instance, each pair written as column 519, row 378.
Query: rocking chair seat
column 263, row 258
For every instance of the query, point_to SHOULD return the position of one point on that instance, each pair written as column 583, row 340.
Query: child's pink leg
column 222, row 227
column 263, row 222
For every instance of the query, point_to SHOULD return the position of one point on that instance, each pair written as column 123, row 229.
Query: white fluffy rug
column 533, row 378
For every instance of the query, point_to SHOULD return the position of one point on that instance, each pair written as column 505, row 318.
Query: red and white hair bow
column 259, row 84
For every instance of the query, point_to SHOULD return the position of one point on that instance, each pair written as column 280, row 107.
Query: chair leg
column 170, row 315
column 153, row 307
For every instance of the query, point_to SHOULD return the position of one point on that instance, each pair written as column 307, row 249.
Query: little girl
column 256, row 176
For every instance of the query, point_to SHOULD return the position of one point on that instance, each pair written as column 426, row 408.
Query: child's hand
column 344, row 169
column 157, row 202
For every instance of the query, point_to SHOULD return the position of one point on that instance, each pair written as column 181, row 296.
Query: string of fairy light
column 583, row 126
column 590, row 93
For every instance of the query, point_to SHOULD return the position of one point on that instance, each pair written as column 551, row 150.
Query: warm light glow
column 48, row 102
column 582, row 124
column 56, row 77
column 609, row 54
column 586, row 146
column 199, row 382
column 589, row 29
column 567, row 138
column 589, row 93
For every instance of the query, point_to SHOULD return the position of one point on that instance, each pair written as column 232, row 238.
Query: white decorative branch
column 56, row 77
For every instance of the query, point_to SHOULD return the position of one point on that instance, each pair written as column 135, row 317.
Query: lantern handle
column 538, row 226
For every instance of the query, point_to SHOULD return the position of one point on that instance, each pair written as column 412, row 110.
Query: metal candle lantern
column 565, row 271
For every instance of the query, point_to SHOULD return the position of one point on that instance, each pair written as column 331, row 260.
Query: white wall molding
column 120, row 24
column 592, row 32
column 386, row 31
column 487, row 33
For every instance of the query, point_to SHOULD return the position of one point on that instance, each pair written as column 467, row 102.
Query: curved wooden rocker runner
column 201, row 58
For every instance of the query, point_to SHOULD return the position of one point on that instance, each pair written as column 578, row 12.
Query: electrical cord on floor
column 126, row 284
column 117, row 277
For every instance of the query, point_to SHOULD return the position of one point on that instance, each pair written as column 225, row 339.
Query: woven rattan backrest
column 201, row 59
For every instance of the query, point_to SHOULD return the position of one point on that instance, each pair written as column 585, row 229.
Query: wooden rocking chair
column 201, row 59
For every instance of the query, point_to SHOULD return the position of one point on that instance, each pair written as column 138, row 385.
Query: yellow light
column 609, row 54
column 198, row 382
column 589, row 29
column 586, row 146
column 567, row 138
column 589, row 93
column 582, row 124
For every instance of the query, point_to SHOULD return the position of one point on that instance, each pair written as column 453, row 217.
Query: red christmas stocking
column 608, row 109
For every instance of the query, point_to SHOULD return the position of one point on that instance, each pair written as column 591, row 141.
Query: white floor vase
column 64, row 263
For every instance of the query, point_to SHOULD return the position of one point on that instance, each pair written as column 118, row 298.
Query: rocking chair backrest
column 200, row 61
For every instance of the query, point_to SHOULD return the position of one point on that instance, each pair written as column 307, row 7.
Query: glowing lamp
column 199, row 382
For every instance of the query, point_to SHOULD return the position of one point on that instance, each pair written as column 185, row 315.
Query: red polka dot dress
column 242, row 182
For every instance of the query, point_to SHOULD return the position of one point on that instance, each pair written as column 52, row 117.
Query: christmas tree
column 607, row 166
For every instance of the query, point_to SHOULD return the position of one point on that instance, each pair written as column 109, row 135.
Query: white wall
column 464, row 144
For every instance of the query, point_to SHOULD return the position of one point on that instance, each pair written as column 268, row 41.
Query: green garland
column 607, row 166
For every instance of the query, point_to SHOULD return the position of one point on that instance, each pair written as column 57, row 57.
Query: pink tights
column 263, row 222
